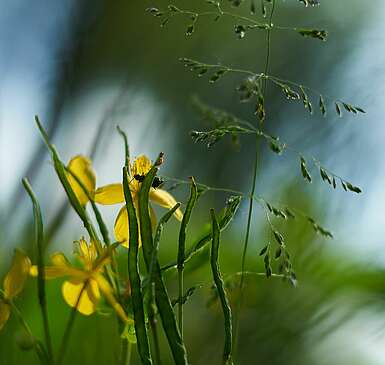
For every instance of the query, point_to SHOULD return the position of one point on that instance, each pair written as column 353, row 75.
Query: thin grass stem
column 40, row 263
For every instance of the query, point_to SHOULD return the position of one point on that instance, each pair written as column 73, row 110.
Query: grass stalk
column 182, row 249
column 162, row 298
column 253, row 184
column 134, row 277
column 40, row 264
column 215, row 269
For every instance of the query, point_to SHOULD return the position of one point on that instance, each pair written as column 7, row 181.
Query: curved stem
column 254, row 180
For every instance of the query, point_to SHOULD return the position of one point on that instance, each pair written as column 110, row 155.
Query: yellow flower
column 13, row 283
column 81, row 167
column 85, row 285
column 113, row 194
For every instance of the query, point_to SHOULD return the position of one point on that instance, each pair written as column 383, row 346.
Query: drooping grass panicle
column 214, row 257
column 134, row 276
column 182, row 248
column 162, row 298
column 39, row 234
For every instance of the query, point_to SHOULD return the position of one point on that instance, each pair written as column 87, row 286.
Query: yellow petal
column 61, row 267
column 81, row 167
column 15, row 279
column 53, row 272
column 5, row 312
column 141, row 166
column 89, row 292
column 110, row 194
column 108, row 293
column 166, row 200
column 153, row 218
column 121, row 227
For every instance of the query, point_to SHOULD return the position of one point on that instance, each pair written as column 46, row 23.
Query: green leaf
column 215, row 269
column 226, row 216
column 134, row 276
column 62, row 175
column 162, row 298
column 39, row 238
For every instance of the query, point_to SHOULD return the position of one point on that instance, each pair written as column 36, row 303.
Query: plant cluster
column 139, row 298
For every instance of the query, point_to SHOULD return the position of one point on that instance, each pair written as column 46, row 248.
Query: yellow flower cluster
column 113, row 193
column 85, row 285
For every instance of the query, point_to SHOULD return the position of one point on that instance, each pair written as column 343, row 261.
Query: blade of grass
column 227, row 215
column 151, row 306
column 162, row 298
column 99, row 219
column 227, row 360
column 182, row 248
column 61, row 172
column 134, row 277
column 158, row 233
column 79, row 209
column 40, row 264
column 151, row 311
column 126, row 148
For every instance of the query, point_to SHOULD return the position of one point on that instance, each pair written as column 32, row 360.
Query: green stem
column 180, row 302
column 162, row 298
column 253, row 186
column 153, row 323
column 182, row 249
column 134, row 275
column 125, row 358
column 68, row 329
column 129, row 352
column 219, row 284
column 40, row 263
